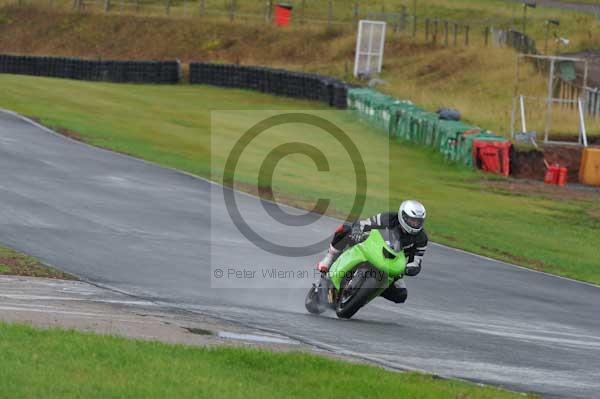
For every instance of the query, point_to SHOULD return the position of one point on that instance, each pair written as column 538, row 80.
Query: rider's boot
column 324, row 265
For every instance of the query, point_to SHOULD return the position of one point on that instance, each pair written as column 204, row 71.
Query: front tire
column 358, row 289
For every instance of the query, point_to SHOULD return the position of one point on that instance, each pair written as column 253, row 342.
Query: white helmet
column 412, row 216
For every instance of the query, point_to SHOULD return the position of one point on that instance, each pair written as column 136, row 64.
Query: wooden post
column 414, row 33
column 106, row 5
column 486, row 33
column 435, row 31
column 467, row 35
column 446, row 33
column 232, row 6
column 302, row 12
column 426, row 29
column 168, row 7
column 455, row 33
column 269, row 12
column 403, row 19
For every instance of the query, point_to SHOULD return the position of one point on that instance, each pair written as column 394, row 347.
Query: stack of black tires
column 97, row 70
column 274, row 81
column 331, row 91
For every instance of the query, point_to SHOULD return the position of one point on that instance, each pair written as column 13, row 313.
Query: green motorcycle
column 360, row 274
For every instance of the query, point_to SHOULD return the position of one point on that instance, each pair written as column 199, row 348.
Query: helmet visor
column 415, row 223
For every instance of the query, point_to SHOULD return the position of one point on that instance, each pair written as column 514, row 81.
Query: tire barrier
column 107, row 71
column 331, row 91
column 403, row 120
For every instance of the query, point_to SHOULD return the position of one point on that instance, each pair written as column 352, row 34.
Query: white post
column 370, row 50
column 513, row 117
column 357, row 57
column 582, row 131
column 383, row 27
column 523, row 122
column 549, row 100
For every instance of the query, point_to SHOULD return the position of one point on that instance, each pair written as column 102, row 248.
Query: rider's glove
column 413, row 268
column 357, row 234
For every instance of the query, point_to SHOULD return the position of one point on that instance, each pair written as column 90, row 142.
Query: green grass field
column 531, row 225
column 67, row 364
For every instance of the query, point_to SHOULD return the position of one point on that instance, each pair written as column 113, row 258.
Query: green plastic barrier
column 403, row 120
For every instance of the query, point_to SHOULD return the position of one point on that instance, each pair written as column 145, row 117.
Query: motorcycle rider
column 406, row 233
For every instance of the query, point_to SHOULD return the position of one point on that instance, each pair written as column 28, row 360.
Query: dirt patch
column 530, row 164
column 569, row 156
column 527, row 164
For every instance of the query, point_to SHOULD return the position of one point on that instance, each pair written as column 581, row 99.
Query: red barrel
column 283, row 14
column 552, row 174
column 562, row 176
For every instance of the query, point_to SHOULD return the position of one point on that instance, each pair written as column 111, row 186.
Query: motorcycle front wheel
column 358, row 289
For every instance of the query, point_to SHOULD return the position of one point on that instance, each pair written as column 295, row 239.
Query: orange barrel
column 589, row 170
column 562, row 176
column 283, row 14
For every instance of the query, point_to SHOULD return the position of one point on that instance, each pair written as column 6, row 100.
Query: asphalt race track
column 155, row 232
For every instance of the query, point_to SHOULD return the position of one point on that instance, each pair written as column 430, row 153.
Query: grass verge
column 67, row 364
column 18, row 264
column 545, row 228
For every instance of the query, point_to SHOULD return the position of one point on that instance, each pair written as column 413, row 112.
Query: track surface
column 144, row 229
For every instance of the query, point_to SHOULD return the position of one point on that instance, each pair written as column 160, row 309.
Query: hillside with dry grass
column 477, row 80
